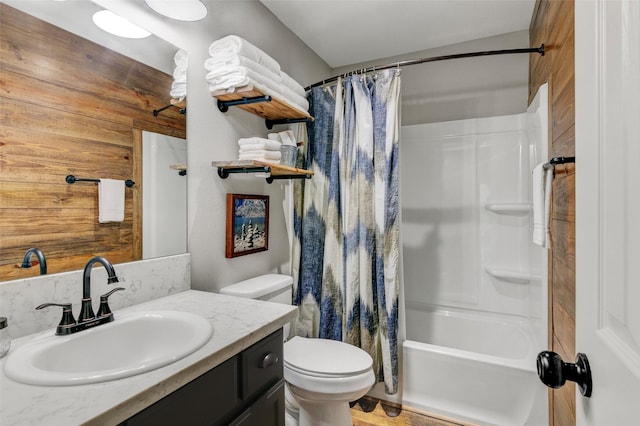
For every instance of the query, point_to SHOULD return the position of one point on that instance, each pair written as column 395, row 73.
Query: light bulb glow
column 181, row 10
column 117, row 25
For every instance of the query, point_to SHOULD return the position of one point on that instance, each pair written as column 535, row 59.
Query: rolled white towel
column 240, row 46
column 180, row 75
column 253, row 144
column 260, row 155
column 181, row 59
column 289, row 82
column 178, row 90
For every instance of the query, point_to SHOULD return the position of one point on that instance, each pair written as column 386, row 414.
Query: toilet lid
column 325, row 356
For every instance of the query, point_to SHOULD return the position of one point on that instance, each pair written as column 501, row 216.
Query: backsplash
column 143, row 281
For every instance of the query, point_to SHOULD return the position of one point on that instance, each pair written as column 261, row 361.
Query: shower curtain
column 346, row 222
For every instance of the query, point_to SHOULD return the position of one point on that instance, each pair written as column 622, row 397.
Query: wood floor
column 371, row 412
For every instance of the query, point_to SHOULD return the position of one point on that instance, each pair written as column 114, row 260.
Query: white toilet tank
column 276, row 288
column 270, row 287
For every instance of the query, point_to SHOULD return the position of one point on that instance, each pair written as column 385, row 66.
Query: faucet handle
column 104, row 310
column 67, row 321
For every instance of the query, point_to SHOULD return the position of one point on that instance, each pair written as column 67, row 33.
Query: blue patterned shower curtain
column 345, row 258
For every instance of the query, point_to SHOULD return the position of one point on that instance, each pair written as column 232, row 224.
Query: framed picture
column 247, row 224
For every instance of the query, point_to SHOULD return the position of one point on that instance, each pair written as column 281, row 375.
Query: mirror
column 72, row 105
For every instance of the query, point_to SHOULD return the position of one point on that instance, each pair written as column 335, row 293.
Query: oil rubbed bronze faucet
column 87, row 319
column 26, row 261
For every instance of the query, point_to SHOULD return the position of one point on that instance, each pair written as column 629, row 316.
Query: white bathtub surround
column 237, row 324
column 477, row 366
column 474, row 283
column 143, row 281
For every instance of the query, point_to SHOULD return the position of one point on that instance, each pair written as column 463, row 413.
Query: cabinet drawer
column 202, row 401
column 266, row 411
column 261, row 365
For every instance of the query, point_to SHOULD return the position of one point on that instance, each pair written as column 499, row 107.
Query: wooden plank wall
column 553, row 24
column 70, row 106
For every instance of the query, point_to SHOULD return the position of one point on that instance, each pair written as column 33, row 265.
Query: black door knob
column 554, row 372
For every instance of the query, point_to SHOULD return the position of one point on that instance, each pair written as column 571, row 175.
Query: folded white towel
column 292, row 84
column 294, row 97
column 110, row 200
column 253, row 144
column 230, row 62
column 541, row 191
column 181, row 58
column 239, row 76
column 180, row 75
column 232, row 44
column 274, row 137
column 178, row 90
column 260, row 155
column 259, row 147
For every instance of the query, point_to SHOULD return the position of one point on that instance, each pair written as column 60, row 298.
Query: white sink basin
column 133, row 343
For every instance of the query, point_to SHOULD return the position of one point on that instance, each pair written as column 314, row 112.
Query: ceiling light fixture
column 181, row 10
column 117, row 25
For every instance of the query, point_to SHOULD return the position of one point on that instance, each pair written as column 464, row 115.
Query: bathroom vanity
column 236, row 377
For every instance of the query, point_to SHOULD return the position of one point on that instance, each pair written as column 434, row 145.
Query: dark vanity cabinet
column 247, row 390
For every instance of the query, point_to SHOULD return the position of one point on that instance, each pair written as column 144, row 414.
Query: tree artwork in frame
column 247, row 224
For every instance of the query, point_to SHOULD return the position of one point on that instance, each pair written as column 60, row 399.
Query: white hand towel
column 252, row 144
column 110, row 200
column 541, row 189
column 260, row 155
column 288, row 138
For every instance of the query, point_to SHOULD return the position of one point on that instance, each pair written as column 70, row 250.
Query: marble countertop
column 237, row 324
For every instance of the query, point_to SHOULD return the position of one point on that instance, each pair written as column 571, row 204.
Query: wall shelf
column 511, row 276
column 513, row 209
column 180, row 167
column 272, row 109
column 275, row 171
column 181, row 104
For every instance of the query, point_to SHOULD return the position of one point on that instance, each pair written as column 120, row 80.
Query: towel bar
column 70, row 179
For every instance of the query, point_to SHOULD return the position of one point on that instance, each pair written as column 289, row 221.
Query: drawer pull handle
column 268, row 360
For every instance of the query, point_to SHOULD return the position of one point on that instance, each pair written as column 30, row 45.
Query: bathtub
column 473, row 366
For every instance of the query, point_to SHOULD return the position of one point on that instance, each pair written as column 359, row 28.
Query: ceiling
column 344, row 32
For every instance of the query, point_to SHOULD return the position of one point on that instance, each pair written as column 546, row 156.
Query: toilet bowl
column 321, row 376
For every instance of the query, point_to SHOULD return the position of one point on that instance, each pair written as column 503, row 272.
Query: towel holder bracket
column 223, row 106
column 157, row 112
column 271, row 123
column 71, row 179
column 556, row 161
column 270, row 179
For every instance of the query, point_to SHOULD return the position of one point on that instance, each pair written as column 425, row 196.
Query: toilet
column 322, row 376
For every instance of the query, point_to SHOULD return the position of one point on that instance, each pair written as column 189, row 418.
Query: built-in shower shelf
column 513, row 209
column 508, row 275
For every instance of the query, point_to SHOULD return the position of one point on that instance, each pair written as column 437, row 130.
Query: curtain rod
column 539, row 50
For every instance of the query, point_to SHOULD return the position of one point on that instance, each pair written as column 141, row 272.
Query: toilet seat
column 325, row 358
column 334, row 369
